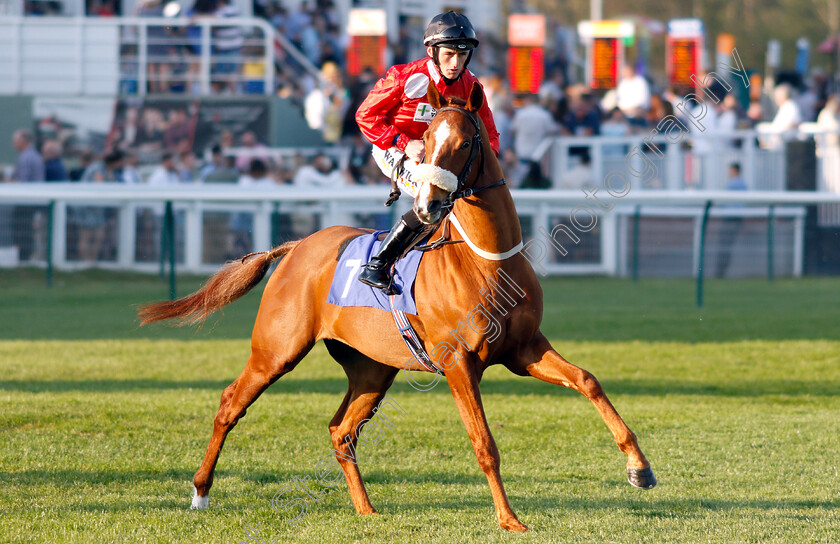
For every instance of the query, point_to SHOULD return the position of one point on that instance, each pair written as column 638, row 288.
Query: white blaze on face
column 441, row 135
column 424, row 195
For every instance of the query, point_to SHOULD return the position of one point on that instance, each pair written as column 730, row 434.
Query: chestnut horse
column 460, row 311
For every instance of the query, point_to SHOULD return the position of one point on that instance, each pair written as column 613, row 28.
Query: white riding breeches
column 386, row 159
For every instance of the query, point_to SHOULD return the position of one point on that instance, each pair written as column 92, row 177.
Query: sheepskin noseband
column 435, row 175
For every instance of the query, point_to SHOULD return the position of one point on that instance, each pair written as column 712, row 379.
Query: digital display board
column 525, row 69
column 364, row 52
column 604, row 65
column 682, row 61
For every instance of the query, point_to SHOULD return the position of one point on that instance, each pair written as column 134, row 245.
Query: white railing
column 210, row 215
column 131, row 55
column 697, row 162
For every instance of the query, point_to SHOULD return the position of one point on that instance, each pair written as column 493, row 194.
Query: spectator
column 828, row 143
column 321, row 173
column 217, row 162
column 253, row 69
column 227, row 43
column 178, row 129
column 166, row 173
column 580, row 175
column 660, row 108
column 187, row 167
column 253, row 150
column 632, row 93
column 227, row 140
column 325, row 106
column 30, row 165
column 130, row 174
column 297, row 21
column 53, row 166
column 109, row 169
column 807, row 102
column 85, row 160
column 787, row 118
column 504, row 121
column 91, row 221
column 201, row 9
column 226, row 172
column 531, row 124
column 553, row 95
column 700, row 165
column 257, row 175
column 728, row 119
column 788, row 115
column 583, row 118
column 616, row 126
column 29, row 168
column 310, row 39
column 159, row 50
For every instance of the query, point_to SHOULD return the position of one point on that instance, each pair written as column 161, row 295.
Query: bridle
column 476, row 149
column 460, row 192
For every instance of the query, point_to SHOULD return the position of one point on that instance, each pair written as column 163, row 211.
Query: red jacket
column 396, row 109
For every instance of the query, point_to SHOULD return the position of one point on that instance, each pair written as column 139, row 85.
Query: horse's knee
column 225, row 420
column 341, row 441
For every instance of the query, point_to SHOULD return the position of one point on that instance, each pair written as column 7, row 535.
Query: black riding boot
column 377, row 273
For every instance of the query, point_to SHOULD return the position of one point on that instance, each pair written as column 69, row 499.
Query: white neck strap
column 477, row 250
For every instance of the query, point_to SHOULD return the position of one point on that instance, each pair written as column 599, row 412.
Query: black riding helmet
column 451, row 30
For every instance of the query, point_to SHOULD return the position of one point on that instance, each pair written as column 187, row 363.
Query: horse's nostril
column 434, row 206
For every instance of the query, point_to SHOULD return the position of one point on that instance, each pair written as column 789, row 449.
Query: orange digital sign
column 366, row 52
column 525, row 69
column 604, row 65
column 682, row 61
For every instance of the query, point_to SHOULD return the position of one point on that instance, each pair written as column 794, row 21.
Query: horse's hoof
column 641, row 477
column 514, row 526
column 199, row 503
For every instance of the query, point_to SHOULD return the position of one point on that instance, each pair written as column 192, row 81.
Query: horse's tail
column 231, row 282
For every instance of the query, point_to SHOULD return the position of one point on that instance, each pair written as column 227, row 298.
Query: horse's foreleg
column 542, row 362
column 368, row 383
column 464, row 387
column 261, row 371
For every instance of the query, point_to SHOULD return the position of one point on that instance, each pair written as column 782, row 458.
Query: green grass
column 737, row 405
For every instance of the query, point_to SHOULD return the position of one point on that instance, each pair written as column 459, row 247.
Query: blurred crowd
column 562, row 107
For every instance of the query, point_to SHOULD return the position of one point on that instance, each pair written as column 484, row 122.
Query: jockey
column 396, row 113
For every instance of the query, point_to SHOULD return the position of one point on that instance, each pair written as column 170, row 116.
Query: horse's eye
column 465, row 144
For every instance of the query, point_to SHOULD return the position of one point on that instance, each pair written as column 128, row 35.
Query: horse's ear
column 476, row 99
column 435, row 100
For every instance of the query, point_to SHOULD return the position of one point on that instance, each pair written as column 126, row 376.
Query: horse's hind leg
column 263, row 369
column 368, row 382
column 542, row 362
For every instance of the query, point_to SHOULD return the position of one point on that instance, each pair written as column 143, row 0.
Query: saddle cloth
column 347, row 290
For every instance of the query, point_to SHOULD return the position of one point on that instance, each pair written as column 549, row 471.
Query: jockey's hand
column 416, row 150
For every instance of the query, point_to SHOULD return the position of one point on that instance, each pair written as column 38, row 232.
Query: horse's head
column 453, row 143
